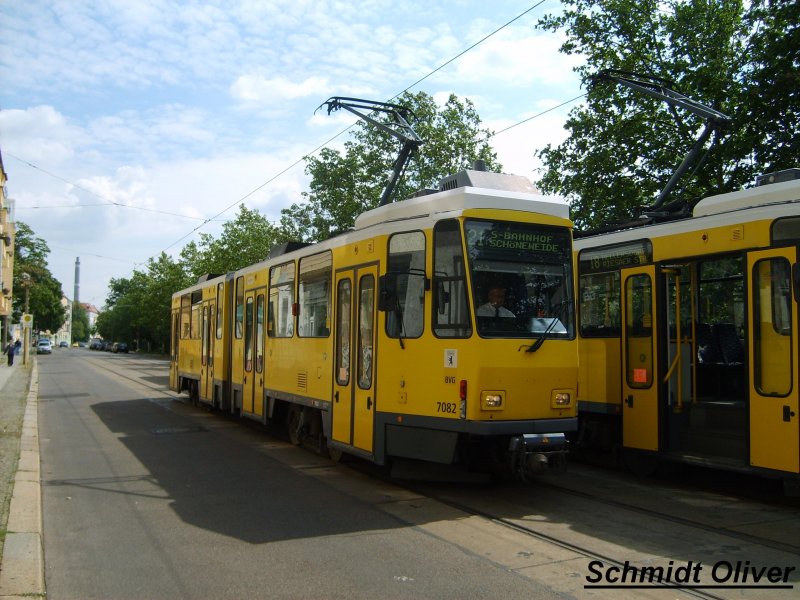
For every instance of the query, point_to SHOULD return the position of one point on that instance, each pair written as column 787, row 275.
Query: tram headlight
column 560, row 399
column 492, row 400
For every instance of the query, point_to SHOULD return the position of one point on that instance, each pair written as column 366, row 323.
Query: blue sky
column 124, row 124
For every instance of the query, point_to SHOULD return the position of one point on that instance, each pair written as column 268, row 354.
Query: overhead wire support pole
column 657, row 87
column 399, row 128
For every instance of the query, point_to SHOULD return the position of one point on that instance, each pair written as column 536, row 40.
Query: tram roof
column 460, row 199
column 764, row 195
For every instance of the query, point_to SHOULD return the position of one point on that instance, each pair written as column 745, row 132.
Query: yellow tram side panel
column 712, row 240
column 300, row 367
column 599, row 381
column 189, row 356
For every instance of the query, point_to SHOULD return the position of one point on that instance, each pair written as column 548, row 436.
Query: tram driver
column 494, row 306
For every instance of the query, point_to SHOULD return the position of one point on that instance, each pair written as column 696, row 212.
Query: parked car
column 119, row 347
column 44, row 347
column 63, row 344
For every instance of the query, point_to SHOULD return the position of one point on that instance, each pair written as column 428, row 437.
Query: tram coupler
column 533, row 453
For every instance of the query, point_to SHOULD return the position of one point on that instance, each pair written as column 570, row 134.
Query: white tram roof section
column 764, row 195
column 460, row 199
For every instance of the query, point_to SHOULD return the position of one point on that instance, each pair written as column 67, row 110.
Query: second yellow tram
column 688, row 335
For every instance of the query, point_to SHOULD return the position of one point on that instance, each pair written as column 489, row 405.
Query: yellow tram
column 374, row 343
column 688, row 334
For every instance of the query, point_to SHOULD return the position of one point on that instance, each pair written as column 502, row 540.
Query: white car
column 44, row 347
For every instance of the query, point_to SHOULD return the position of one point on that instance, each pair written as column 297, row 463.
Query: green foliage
column 44, row 291
column 741, row 59
column 137, row 309
column 80, row 323
column 244, row 241
column 346, row 183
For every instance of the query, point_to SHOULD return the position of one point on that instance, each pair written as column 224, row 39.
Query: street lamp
column 26, row 329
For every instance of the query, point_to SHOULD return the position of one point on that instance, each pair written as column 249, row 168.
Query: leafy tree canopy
column 44, row 291
column 137, row 308
column 80, row 323
column 740, row 58
column 245, row 240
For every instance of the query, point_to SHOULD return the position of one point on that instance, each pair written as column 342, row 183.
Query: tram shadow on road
column 214, row 479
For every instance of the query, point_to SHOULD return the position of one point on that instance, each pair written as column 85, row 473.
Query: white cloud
column 257, row 88
column 39, row 133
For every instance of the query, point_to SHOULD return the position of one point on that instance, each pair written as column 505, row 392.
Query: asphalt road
column 147, row 497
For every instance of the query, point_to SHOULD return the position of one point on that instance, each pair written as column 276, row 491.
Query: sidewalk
column 22, row 560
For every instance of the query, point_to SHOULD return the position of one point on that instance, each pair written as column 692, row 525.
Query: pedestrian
column 17, row 346
column 9, row 351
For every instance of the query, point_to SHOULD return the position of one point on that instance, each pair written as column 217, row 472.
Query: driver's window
column 406, row 267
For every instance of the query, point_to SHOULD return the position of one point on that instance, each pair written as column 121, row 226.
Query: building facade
column 7, row 231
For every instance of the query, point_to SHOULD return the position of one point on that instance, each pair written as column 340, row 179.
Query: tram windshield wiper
column 554, row 320
column 402, row 333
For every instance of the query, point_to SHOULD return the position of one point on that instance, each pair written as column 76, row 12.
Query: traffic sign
column 27, row 320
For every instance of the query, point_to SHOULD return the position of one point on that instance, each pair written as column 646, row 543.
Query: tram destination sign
column 514, row 240
column 612, row 258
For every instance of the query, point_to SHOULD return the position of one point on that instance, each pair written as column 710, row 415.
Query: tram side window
column 259, row 333
column 639, row 331
column 280, row 320
column 239, row 307
column 599, row 295
column 248, row 335
column 176, row 331
column 186, row 316
column 220, row 296
column 197, row 303
column 314, row 295
column 600, row 305
column 772, row 327
column 721, row 305
column 786, row 230
column 451, row 308
column 406, row 268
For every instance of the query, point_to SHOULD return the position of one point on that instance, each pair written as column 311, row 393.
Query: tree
column 245, row 240
column 44, row 291
column 80, row 323
column 345, row 184
column 138, row 308
column 623, row 146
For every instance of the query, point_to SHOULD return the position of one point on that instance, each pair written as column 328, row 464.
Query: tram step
column 719, row 415
column 715, row 442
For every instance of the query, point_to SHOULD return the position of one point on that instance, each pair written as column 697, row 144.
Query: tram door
column 640, row 383
column 774, row 414
column 354, row 375
column 253, row 377
column 174, row 347
column 207, row 352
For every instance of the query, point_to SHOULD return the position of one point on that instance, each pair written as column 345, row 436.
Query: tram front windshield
column 521, row 279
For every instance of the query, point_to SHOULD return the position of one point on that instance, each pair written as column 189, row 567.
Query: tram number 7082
column 446, row 407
